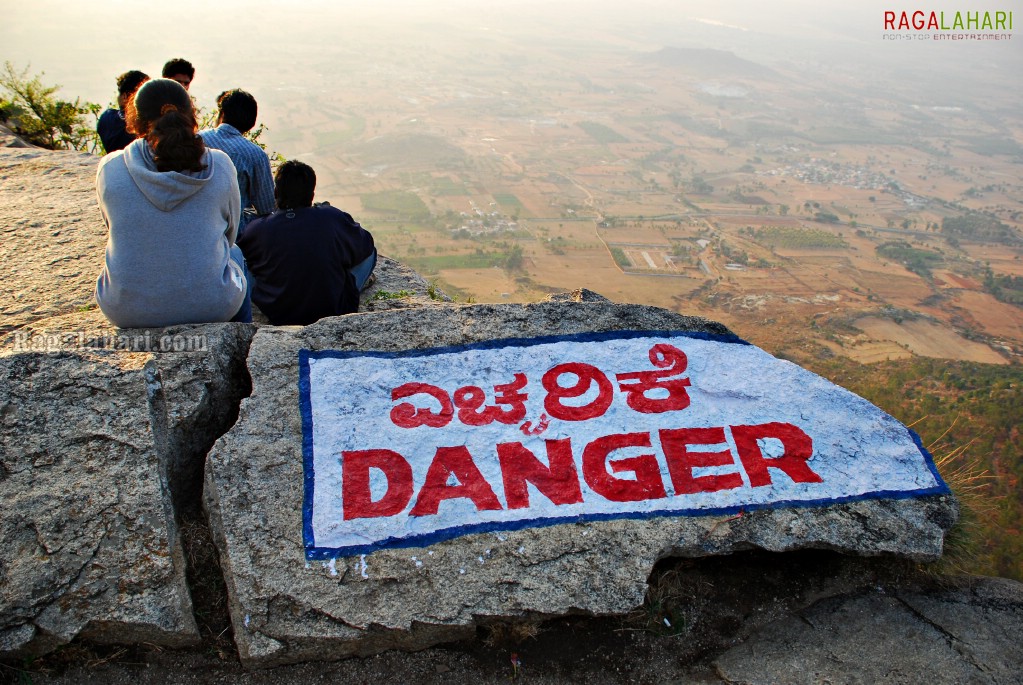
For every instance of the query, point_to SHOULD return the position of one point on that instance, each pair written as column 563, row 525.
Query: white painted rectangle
column 733, row 391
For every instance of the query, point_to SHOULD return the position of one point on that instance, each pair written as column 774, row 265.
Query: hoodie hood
column 164, row 189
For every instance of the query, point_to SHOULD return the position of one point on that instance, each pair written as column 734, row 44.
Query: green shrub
column 34, row 113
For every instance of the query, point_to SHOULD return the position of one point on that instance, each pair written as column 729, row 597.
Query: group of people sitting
column 199, row 228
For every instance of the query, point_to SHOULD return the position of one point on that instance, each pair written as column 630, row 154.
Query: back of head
column 161, row 112
column 238, row 108
column 129, row 81
column 294, row 185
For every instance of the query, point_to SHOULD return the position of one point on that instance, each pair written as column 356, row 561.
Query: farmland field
column 771, row 194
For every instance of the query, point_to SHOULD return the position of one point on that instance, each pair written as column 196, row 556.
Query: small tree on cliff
column 32, row 111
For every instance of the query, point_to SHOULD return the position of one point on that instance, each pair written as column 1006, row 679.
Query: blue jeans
column 363, row 269
column 244, row 314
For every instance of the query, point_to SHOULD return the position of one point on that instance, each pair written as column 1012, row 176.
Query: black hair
column 178, row 66
column 161, row 112
column 129, row 81
column 238, row 108
column 294, row 184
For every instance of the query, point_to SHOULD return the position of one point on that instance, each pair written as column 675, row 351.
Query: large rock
column 100, row 444
column 197, row 400
column 287, row 609
column 53, row 234
column 752, row 617
column 960, row 635
column 89, row 537
column 9, row 139
column 396, row 286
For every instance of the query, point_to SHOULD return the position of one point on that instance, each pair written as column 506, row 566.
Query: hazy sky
column 83, row 45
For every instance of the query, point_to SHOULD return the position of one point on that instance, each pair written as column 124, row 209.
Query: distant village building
column 485, row 224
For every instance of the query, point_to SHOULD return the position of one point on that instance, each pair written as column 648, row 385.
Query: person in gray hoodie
column 172, row 207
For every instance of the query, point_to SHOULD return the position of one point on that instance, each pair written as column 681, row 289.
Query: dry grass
column 971, row 484
column 506, row 634
column 674, row 600
column 74, row 654
column 208, row 589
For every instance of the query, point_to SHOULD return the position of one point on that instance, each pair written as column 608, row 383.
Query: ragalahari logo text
column 947, row 25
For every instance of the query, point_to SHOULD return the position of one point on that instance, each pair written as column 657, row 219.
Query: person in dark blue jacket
column 306, row 261
column 111, row 126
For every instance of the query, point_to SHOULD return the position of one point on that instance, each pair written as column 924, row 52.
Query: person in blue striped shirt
column 237, row 116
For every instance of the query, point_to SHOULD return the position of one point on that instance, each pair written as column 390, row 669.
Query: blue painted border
column 305, row 405
column 524, row 342
column 308, row 470
column 929, row 460
column 314, row 553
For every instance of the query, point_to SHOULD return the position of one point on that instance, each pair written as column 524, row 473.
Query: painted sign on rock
column 405, row 449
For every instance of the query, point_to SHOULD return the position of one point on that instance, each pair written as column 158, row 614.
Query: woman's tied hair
column 162, row 113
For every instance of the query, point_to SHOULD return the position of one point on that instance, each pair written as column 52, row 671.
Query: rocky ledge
column 111, row 440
